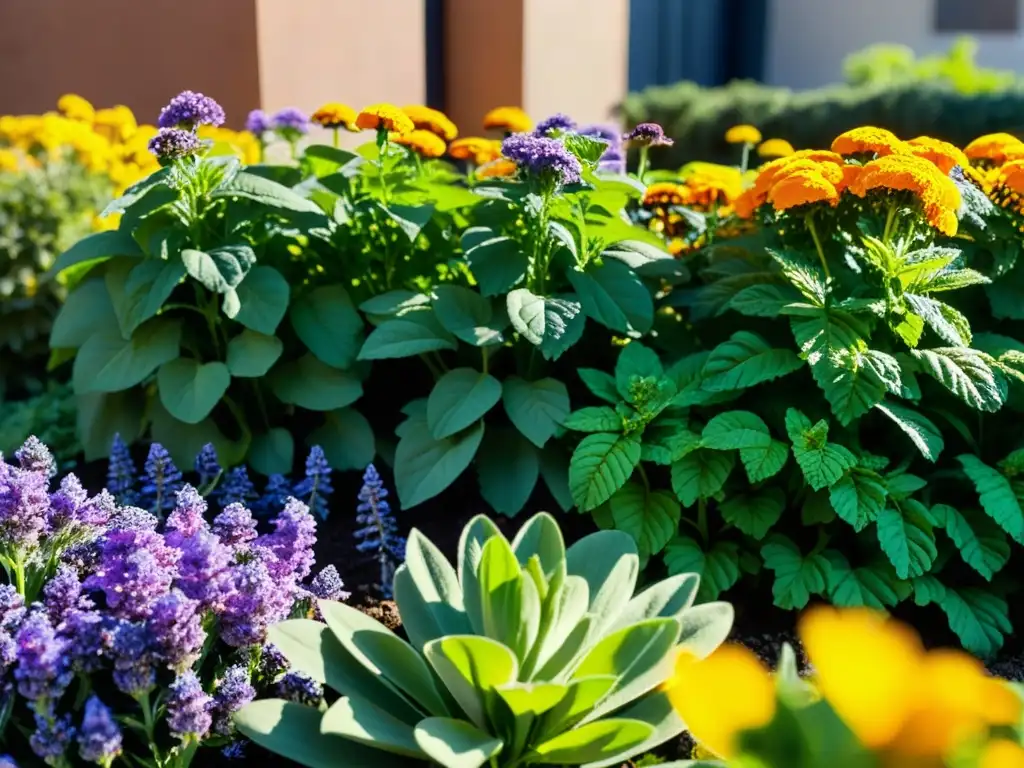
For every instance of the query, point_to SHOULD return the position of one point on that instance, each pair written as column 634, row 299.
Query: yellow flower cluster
column 387, row 117
column 743, row 134
column 479, row 150
column 335, row 115
column 435, row 121
column 775, row 148
column 905, row 704
column 422, row 142
column 508, row 119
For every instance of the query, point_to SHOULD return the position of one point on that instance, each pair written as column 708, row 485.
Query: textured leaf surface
column 700, row 474
column 745, row 361
column 796, row 577
column 966, row 374
column 651, row 518
column 907, row 541
column 858, row 498
column 997, row 496
column 718, row 567
column 600, row 465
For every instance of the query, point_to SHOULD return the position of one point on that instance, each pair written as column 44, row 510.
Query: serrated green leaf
column 871, row 586
column 979, row 618
column 701, row 474
column 328, row 324
column 858, row 497
column 664, row 448
column 796, row 577
column 755, row 513
column 762, row 463
column 650, row 517
column 536, row 408
column 424, row 467
column 947, row 323
column 854, row 381
column 599, row 418
column 734, row 430
column 745, row 361
column 718, row 567
column 612, row 295
column 763, row 300
column 908, row 541
column 459, row 398
column 997, row 496
column 965, row 373
column 985, row 549
column 822, row 463
column 600, row 465
column 921, row 431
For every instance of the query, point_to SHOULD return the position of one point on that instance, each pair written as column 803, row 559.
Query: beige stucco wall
column 808, row 39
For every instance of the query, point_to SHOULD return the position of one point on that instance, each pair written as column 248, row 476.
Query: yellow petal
column 1002, row 753
column 726, row 693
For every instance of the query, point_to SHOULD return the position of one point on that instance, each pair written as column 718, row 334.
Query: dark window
column 977, row 15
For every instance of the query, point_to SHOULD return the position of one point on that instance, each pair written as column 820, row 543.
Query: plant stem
column 335, row 142
column 484, row 358
column 746, row 156
column 817, row 244
column 890, row 217
column 641, row 169
column 643, row 476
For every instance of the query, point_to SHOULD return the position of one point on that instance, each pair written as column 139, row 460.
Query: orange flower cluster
column 475, row 148
column 508, row 119
column 994, row 149
column 422, row 142
column 937, row 192
column 432, row 120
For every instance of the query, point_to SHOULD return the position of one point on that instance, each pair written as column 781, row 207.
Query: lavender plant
column 379, row 532
column 126, row 637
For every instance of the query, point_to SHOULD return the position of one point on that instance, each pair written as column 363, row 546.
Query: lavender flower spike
column 236, row 488
column 190, row 109
column 647, row 135
column 188, row 708
column 42, row 672
column 162, row 481
column 121, row 473
column 379, row 531
column 233, row 692
column 546, row 159
column 173, row 143
column 316, row 488
column 235, row 526
column 207, row 466
column 52, row 738
column 99, row 739
column 33, row 456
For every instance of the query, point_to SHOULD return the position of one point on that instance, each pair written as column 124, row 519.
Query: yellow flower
column 938, row 194
column 508, row 119
column 775, row 148
column 1002, row 753
column 743, row 134
column 115, row 124
column 944, row 155
column 867, row 139
column 769, row 171
column 666, row 193
column 501, row 168
column 8, row 161
column 384, row 116
column 802, row 187
column 74, row 107
column 721, row 696
column 711, row 184
column 474, row 148
column 432, row 120
column 422, row 142
column 993, row 148
column 335, row 115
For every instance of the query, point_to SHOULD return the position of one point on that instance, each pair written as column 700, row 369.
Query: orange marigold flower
column 666, row 193
column 386, row 116
column 475, row 148
column 775, row 148
column 432, row 120
column 850, row 175
column 769, row 171
column 508, row 119
column 944, row 155
column 421, row 142
column 802, row 187
column 867, row 138
column 743, row 134
column 502, row 168
column 993, row 147
column 938, row 194
column 746, row 204
column 335, row 115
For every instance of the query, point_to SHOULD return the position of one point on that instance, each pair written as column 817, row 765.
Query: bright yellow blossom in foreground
column 666, row 193
column 422, row 142
column 74, row 107
column 385, row 116
column 1002, row 753
column 743, row 134
column 475, row 148
column 711, row 184
column 775, row 148
column 335, row 115
column 867, row 139
column 993, row 147
column 432, row 120
column 508, row 119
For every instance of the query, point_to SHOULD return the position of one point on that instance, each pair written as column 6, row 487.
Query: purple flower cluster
column 558, row 122
column 99, row 738
column 316, row 487
column 189, row 708
column 647, row 135
column 547, row 159
column 258, row 122
column 291, row 121
column 379, row 532
column 300, row 688
column 189, row 110
column 173, row 143
column 234, row 691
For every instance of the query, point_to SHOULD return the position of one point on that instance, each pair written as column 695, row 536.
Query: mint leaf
column 764, row 300
column 796, row 577
column 967, row 374
column 873, row 586
column 822, row 463
column 858, row 497
column 601, row 384
column 600, row 465
column 908, row 541
column 997, row 496
column 651, row 518
column 598, row 418
column 635, row 361
column 762, row 463
column 921, row 431
column 755, row 513
column 745, row 361
column 736, row 429
column 700, row 474
column 718, row 567
column 982, row 544
column 979, row 618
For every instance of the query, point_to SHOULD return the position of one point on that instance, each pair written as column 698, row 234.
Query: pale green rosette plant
column 524, row 653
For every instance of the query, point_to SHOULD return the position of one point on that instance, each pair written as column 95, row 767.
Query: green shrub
column 49, row 415
column 525, row 653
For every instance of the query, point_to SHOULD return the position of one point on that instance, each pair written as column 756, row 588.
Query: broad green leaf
column 536, row 408
column 669, row 598
column 822, row 463
column 600, row 384
column 762, row 463
column 600, row 465
column 948, row 324
column 312, row 384
column 717, row 567
column 508, row 466
column 541, row 537
column 428, row 588
column 858, row 497
column 221, row 268
column 101, row 415
column 582, row 696
column 467, row 315
column 736, row 429
column 871, row 586
column 273, row 452
column 796, row 577
column 754, row 513
column 460, row 398
column 138, row 289
column 554, row 469
column 509, row 601
column 925, row 436
column 982, row 545
column 184, row 441
column 598, row 418
column 347, row 439
column 97, row 247
column 470, row 667
column 541, row 320
column 701, row 474
column 612, row 295
column 498, row 263
column 908, row 541
column 979, row 618
column 364, row 722
column 396, row 302
column 650, row 517
column 252, row 355
column 263, row 300
column 637, row 254
column 266, row 192
column 855, row 381
column 593, row 741
column 109, row 363
column 411, row 219
column 997, row 497
column 668, row 445
column 405, row 336
column 745, row 361
column 966, row 373
column 456, row 743
column 328, row 324
column 86, row 312
column 424, row 466
column 608, row 561
column 189, row 389
column 635, row 361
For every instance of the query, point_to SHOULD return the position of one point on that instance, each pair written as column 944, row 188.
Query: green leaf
column 471, row 667
column 220, row 269
column 456, row 743
column 908, row 541
column 598, row 382
column 252, row 354
column 858, row 497
column 396, row 302
column 406, row 336
column 497, row 262
column 736, row 429
column 755, row 513
column 701, row 474
column 979, row 618
column 664, row 446
column 411, row 219
column 982, row 545
column 108, row 363
column 102, row 415
column 347, row 439
column 965, row 373
column 600, row 465
column 328, row 324
column 796, row 577
column 363, row 722
column 536, row 408
column 312, row 384
column 98, row 247
column 540, row 320
column 997, row 496
column 467, row 315
column 586, row 148
column 763, row 300
column 821, row 462
column 273, row 452
column 266, row 192
column 508, row 466
column 635, row 361
column 948, row 324
column 650, row 517
column 86, row 312
column 854, row 381
column 762, row 463
column 554, row 469
column 428, row 586
column 424, row 466
column 593, row 742
column 263, row 300
column 138, row 289
column 598, row 418
column 718, row 568
column 871, row 586
column 460, row 397
column 189, row 389
column 612, row 295
column 745, row 361
column 925, row 436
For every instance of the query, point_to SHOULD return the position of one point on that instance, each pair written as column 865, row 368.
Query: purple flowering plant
column 128, row 635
